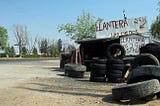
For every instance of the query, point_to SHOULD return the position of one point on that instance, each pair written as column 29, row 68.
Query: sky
column 42, row 17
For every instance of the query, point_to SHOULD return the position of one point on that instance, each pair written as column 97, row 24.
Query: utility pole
column 124, row 14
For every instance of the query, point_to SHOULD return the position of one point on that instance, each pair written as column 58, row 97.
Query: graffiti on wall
column 121, row 27
column 132, row 43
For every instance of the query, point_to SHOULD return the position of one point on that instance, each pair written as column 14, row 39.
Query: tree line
column 29, row 45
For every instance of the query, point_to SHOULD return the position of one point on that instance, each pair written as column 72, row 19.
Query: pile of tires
column 74, row 70
column 144, row 59
column 141, row 80
column 64, row 59
column 115, row 68
column 152, row 48
column 144, row 67
column 98, row 70
column 115, row 64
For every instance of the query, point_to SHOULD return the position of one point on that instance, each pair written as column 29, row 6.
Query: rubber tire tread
column 76, row 74
column 99, row 66
column 143, row 73
column 113, row 46
column 144, row 59
column 116, row 67
column 75, row 67
column 136, row 90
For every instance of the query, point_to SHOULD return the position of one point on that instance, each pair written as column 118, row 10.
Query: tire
column 99, row 66
column 115, row 61
column 113, row 75
column 144, row 59
column 143, row 73
column 116, row 67
column 153, row 44
column 136, row 90
column 97, row 79
column 115, row 71
column 97, row 74
column 76, row 74
column 102, row 61
column 95, row 71
column 113, row 48
column 75, row 67
column 151, row 48
column 115, row 80
column 62, row 63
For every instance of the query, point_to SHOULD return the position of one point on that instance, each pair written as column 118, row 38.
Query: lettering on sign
column 121, row 27
column 133, row 43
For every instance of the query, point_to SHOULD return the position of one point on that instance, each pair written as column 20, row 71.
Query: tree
column 53, row 50
column 24, row 50
column 43, row 45
column 84, row 28
column 3, row 38
column 156, row 24
column 35, row 51
column 9, row 51
column 21, row 35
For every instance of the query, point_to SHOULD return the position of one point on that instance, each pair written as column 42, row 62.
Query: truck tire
column 102, row 61
column 152, row 48
column 143, row 73
column 116, row 67
column 75, row 67
column 97, row 77
column 99, row 66
column 115, row 80
column 115, row 61
column 136, row 90
column 144, row 59
column 115, row 51
column 75, row 74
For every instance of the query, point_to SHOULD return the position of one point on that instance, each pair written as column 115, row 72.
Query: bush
column 2, row 55
column 31, row 56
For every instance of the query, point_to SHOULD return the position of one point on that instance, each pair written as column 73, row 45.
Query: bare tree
column 21, row 35
column 31, row 43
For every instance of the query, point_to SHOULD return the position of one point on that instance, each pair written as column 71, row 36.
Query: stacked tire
column 74, row 70
column 98, row 70
column 115, row 64
column 115, row 68
column 64, row 59
column 144, row 67
column 152, row 48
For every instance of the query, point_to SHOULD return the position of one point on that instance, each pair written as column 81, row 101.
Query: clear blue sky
column 43, row 16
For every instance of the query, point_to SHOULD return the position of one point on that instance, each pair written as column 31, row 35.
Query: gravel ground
column 41, row 83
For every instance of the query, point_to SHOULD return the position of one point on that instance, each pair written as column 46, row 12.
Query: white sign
column 133, row 43
column 121, row 27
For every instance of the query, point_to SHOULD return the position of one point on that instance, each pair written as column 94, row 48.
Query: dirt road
column 42, row 83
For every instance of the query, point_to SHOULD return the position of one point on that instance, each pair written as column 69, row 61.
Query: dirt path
column 41, row 83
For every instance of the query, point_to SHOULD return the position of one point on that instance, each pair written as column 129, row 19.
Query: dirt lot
column 41, row 83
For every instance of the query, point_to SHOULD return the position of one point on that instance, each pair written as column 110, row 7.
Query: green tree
column 24, row 50
column 53, row 50
column 10, row 51
column 156, row 24
column 84, row 28
column 43, row 46
column 35, row 51
column 3, row 38
column 155, row 28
